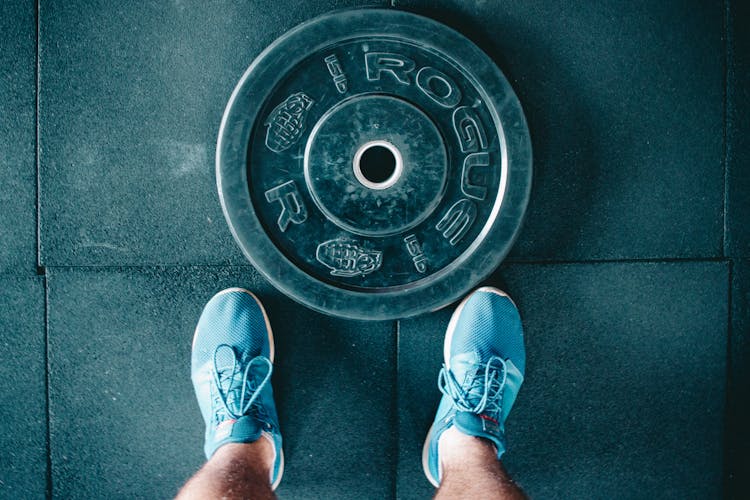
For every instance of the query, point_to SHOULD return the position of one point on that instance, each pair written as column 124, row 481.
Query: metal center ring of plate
column 398, row 167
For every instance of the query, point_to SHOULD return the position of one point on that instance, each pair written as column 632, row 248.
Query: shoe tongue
column 231, row 385
column 469, row 374
column 465, row 360
column 488, row 425
column 225, row 358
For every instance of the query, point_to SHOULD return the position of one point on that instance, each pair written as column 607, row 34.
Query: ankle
column 257, row 456
column 459, row 450
column 235, row 470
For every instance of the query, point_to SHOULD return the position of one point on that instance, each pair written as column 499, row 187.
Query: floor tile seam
column 728, row 389
column 26, row 273
column 647, row 260
column 725, row 130
column 37, row 148
column 114, row 267
column 396, row 404
column 738, row 257
column 507, row 262
column 726, row 443
column 48, row 431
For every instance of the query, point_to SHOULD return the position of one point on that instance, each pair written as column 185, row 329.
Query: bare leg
column 236, row 470
column 471, row 469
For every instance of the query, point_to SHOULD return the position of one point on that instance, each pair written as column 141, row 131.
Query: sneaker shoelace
column 484, row 390
column 248, row 390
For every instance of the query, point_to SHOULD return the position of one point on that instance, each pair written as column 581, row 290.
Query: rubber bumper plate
column 374, row 164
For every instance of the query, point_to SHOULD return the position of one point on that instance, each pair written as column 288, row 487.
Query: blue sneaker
column 483, row 370
column 232, row 362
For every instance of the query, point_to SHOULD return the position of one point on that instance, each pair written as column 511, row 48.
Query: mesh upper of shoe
column 490, row 325
column 232, row 318
column 231, row 368
column 487, row 360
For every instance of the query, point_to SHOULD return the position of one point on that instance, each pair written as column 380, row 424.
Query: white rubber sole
column 446, row 359
column 426, row 458
column 275, row 484
column 281, row 473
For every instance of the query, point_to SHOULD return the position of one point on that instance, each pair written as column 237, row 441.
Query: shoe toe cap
column 490, row 324
column 233, row 317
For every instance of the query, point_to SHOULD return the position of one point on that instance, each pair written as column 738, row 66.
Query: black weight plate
column 374, row 164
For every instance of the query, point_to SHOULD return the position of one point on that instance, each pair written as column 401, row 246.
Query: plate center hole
column 378, row 164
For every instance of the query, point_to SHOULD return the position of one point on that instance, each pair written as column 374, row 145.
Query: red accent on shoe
column 485, row 417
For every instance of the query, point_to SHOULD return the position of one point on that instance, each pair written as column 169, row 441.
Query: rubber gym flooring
column 632, row 272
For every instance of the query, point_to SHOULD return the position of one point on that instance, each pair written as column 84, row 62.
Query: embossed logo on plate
column 347, row 259
column 293, row 209
column 457, row 220
column 417, row 254
column 336, row 72
column 287, row 122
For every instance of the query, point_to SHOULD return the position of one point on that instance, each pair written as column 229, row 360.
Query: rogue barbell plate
column 374, row 164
